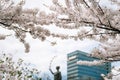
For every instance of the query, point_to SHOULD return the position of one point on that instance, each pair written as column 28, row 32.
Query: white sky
column 42, row 52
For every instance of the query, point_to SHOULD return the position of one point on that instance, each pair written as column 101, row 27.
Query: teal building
column 82, row 72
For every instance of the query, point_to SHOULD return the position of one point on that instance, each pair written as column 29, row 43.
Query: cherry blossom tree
column 15, row 70
column 22, row 21
column 90, row 18
column 113, row 75
column 93, row 20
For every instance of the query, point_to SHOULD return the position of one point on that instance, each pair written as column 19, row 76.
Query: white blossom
column 2, row 37
column 90, row 63
column 14, row 70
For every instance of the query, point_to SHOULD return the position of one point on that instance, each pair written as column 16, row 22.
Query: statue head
column 57, row 67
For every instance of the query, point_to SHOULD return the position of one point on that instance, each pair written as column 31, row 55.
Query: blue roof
column 78, row 51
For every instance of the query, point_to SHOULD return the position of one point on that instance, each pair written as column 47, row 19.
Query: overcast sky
column 42, row 52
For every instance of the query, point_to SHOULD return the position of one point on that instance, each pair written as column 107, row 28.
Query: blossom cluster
column 15, row 70
column 91, row 63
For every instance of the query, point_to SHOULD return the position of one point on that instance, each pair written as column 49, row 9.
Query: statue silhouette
column 57, row 75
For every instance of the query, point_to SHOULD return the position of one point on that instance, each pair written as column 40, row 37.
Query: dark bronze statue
column 57, row 75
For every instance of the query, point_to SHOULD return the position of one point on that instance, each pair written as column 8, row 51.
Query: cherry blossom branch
column 108, row 27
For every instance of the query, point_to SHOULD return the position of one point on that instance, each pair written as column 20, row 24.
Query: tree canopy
column 91, row 19
column 15, row 70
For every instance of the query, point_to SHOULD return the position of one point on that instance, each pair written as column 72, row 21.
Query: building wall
column 81, row 72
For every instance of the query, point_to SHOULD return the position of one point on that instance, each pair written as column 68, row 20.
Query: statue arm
column 51, row 71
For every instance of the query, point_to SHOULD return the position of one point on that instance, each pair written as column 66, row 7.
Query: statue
column 57, row 75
